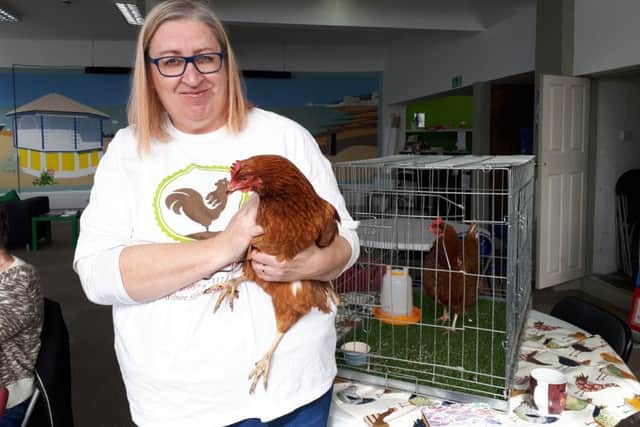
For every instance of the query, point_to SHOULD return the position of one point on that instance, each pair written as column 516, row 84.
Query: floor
column 98, row 393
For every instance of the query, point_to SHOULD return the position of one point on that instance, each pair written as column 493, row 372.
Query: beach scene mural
column 55, row 124
column 339, row 109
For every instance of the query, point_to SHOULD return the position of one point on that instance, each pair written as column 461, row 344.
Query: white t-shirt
column 181, row 363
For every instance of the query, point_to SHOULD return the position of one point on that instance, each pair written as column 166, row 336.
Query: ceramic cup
column 548, row 389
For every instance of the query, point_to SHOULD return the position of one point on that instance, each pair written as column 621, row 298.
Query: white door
column 562, row 179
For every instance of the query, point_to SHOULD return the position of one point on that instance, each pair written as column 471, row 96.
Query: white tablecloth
column 602, row 390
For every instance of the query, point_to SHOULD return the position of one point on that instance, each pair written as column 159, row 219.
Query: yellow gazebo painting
column 56, row 133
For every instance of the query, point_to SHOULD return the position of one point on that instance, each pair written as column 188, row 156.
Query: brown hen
column 451, row 270
column 293, row 217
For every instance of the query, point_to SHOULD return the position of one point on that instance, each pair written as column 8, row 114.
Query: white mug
column 548, row 390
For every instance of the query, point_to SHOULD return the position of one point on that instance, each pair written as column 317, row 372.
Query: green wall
column 448, row 112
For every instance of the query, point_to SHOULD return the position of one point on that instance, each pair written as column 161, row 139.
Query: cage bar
column 488, row 202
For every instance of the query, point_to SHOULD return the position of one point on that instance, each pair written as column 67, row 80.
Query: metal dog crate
column 395, row 199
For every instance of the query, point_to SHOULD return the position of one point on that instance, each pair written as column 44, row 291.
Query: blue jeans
column 313, row 414
column 13, row 417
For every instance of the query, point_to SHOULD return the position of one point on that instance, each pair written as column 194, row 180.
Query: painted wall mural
column 56, row 122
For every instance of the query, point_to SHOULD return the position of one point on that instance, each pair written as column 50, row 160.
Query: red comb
column 435, row 225
column 235, row 167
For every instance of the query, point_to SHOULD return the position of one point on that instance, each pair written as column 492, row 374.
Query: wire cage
column 389, row 313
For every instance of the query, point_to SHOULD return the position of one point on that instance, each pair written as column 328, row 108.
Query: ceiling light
column 6, row 16
column 131, row 12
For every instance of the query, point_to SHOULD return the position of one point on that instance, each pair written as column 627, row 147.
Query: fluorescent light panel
column 6, row 16
column 131, row 13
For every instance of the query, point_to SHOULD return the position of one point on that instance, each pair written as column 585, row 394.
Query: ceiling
column 326, row 21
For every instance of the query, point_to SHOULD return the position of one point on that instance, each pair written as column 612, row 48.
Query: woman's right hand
column 242, row 228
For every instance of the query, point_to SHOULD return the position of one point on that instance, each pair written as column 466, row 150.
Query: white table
column 603, row 382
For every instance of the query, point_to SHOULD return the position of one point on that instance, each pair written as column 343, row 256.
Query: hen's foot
column 261, row 369
column 227, row 289
column 452, row 329
column 444, row 318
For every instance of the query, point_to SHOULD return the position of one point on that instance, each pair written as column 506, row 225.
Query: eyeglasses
column 175, row 66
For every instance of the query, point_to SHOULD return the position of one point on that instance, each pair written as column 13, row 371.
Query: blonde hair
column 145, row 110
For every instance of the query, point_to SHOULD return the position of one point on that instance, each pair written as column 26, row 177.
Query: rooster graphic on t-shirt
column 202, row 210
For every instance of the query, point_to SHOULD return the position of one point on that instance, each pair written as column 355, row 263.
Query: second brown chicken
column 451, row 270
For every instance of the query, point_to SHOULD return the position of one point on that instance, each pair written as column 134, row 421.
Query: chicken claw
column 452, row 328
column 445, row 316
column 227, row 289
column 261, row 369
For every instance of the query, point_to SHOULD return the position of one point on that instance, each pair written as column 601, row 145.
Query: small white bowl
column 356, row 353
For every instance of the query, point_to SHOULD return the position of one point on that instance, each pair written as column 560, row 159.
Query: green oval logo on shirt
column 193, row 204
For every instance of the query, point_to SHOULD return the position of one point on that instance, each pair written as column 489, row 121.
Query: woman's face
column 195, row 102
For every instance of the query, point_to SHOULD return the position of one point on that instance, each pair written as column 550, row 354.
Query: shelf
column 404, row 233
column 438, row 130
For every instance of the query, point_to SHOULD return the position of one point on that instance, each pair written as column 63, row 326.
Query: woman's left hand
column 268, row 267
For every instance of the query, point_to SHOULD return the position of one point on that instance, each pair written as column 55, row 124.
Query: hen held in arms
column 293, row 218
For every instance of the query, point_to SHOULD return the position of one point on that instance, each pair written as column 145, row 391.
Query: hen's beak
column 233, row 171
column 233, row 186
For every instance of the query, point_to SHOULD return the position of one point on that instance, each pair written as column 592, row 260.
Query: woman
column 159, row 230
column 21, row 314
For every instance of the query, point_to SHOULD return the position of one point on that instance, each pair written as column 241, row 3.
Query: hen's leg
column 227, row 289
column 452, row 328
column 261, row 369
column 445, row 315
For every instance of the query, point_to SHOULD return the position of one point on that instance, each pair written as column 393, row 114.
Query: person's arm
column 18, row 310
column 155, row 270
column 113, row 269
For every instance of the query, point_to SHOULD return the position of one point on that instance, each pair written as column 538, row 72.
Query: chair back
column 596, row 320
column 51, row 404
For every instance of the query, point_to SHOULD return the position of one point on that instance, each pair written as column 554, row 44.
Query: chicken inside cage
column 460, row 228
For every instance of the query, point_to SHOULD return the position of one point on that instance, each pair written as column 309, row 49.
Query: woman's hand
column 313, row 263
column 241, row 229
column 268, row 267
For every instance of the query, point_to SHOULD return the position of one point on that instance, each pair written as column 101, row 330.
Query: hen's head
column 437, row 226
column 264, row 175
column 243, row 178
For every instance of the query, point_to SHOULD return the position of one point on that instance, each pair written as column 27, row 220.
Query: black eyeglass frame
column 187, row 59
